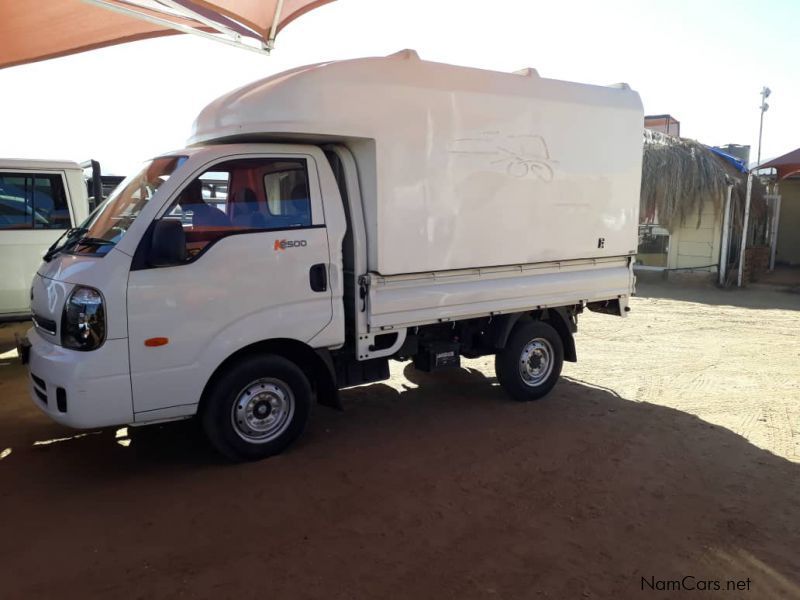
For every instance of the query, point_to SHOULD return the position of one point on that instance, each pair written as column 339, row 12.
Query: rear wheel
column 257, row 408
column 530, row 364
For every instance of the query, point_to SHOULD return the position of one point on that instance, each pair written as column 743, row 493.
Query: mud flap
column 327, row 391
column 330, row 398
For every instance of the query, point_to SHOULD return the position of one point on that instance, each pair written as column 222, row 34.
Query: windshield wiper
column 69, row 234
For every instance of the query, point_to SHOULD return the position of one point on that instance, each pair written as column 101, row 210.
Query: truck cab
column 166, row 283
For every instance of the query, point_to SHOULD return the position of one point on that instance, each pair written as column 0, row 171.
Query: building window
column 653, row 246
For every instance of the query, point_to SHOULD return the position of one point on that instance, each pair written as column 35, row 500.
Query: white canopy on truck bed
column 460, row 168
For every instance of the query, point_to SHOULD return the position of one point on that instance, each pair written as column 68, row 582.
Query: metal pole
column 726, row 225
column 276, row 19
column 743, row 245
column 765, row 93
column 774, row 241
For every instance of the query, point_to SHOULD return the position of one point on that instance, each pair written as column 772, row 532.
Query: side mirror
column 168, row 244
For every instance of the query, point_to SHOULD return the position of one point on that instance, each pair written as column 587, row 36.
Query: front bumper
column 81, row 389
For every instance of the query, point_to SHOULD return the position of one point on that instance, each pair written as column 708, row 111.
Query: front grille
column 39, row 382
column 46, row 325
column 42, row 396
column 61, row 399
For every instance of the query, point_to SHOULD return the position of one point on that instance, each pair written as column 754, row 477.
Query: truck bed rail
column 422, row 298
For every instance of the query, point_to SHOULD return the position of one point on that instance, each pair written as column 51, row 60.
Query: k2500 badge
column 281, row 245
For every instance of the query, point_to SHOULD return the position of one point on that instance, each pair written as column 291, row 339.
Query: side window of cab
column 33, row 201
column 240, row 197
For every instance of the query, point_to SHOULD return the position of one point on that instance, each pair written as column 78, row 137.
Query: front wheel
column 257, row 408
column 530, row 364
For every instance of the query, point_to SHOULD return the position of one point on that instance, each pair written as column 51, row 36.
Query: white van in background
column 39, row 201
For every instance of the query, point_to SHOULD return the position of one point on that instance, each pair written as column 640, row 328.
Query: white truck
column 39, row 201
column 370, row 209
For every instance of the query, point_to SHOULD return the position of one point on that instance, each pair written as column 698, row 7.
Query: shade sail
column 32, row 31
column 786, row 165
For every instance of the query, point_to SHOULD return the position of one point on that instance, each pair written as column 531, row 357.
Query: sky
column 704, row 62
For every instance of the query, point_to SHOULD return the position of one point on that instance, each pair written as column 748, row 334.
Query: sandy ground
column 671, row 449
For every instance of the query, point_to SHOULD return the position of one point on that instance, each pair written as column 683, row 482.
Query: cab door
column 256, row 268
column 34, row 212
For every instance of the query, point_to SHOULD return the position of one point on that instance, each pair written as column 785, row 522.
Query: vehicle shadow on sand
column 447, row 486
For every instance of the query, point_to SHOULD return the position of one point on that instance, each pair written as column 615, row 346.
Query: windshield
column 111, row 220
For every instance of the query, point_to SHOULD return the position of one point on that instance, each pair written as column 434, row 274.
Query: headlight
column 83, row 326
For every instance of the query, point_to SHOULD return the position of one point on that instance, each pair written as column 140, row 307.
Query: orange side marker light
column 156, row 341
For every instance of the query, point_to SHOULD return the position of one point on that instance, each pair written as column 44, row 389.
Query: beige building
column 684, row 209
column 697, row 246
column 685, row 246
column 788, row 246
column 787, row 176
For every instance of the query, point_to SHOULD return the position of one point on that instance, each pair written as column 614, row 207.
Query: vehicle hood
column 56, row 279
column 67, row 268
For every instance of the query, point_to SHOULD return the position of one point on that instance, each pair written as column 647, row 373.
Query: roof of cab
column 37, row 165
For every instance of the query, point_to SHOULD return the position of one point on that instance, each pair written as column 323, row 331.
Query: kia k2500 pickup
column 326, row 220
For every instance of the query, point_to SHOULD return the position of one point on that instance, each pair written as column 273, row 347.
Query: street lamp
column 765, row 92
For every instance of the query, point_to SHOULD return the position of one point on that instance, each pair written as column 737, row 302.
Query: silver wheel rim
column 262, row 410
column 536, row 362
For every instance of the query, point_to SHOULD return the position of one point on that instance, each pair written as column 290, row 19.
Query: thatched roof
column 678, row 177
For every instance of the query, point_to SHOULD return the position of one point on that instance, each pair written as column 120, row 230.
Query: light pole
column 765, row 92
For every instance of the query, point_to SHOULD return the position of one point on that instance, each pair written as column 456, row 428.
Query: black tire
column 237, row 410
column 535, row 381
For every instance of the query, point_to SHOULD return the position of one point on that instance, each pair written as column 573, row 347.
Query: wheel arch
column 559, row 318
column 317, row 365
column 565, row 325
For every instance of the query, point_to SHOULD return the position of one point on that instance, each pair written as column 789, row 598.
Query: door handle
column 318, row 277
